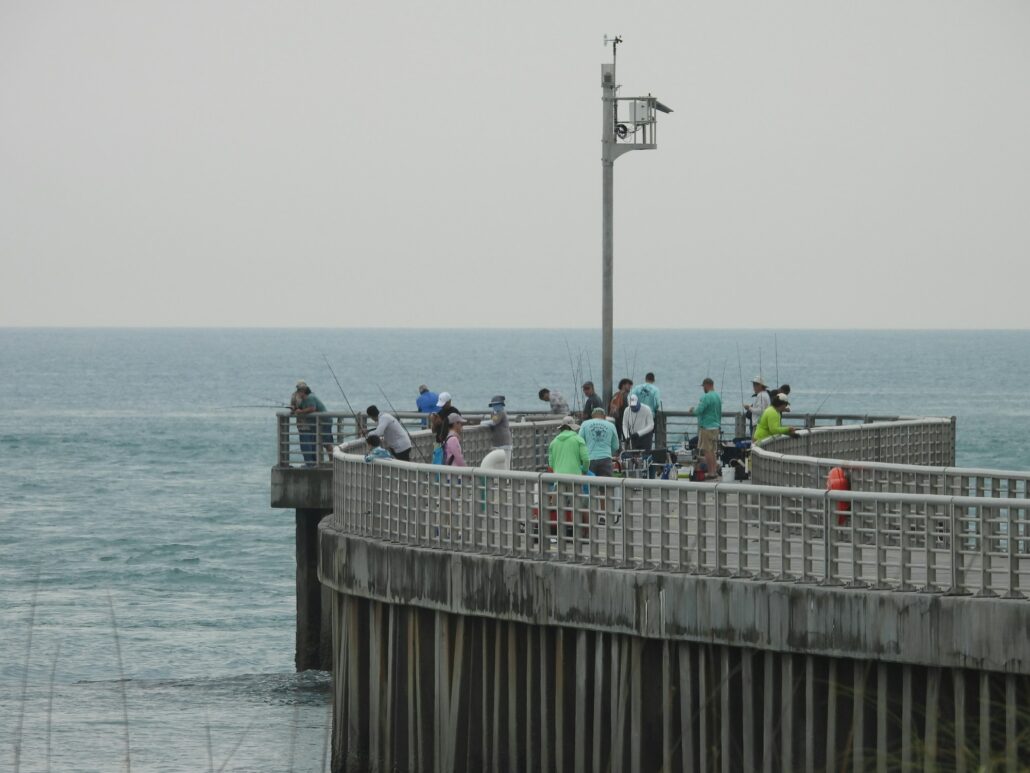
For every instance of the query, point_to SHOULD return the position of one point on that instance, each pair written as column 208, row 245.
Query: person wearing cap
column 591, row 400
column 759, row 402
column 602, row 442
column 567, row 453
column 500, row 431
column 781, row 390
column 444, row 409
column 452, row 455
column 297, row 396
column 638, row 425
column 555, row 399
column 425, row 402
column 709, row 421
column 770, row 425
column 307, row 425
column 392, row 432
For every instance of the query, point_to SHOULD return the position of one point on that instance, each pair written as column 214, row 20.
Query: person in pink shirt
column 452, row 454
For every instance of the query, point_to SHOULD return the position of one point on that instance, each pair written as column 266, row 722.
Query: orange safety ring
column 838, row 480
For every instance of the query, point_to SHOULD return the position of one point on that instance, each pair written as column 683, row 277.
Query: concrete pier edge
column 931, row 629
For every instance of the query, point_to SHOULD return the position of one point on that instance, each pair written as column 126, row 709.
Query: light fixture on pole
column 633, row 127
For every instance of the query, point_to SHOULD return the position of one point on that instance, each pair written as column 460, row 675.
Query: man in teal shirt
column 709, row 420
column 306, row 424
column 649, row 394
column 602, row 442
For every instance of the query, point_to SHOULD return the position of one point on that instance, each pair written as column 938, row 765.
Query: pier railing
column 912, row 456
column 295, row 445
column 878, row 540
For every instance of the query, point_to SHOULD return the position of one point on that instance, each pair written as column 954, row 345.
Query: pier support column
column 313, row 637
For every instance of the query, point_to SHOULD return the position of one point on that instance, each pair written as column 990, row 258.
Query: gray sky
column 828, row 164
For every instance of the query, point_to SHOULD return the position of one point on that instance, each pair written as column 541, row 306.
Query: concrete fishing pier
column 672, row 625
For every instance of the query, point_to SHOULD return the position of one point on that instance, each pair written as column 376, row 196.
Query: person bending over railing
column 770, row 423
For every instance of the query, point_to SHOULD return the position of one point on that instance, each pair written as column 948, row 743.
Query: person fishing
column 638, row 425
column 709, row 423
column 426, row 402
column 392, row 433
column 307, row 425
column 500, row 431
column 759, row 402
column 784, row 390
column 555, row 399
column 770, row 424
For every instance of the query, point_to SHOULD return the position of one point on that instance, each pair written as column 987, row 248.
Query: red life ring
column 837, row 480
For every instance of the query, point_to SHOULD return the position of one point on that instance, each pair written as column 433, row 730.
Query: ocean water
column 134, row 515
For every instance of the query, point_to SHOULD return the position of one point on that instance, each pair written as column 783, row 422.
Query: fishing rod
column 572, row 364
column 740, row 369
column 831, row 394
column 264, row 405
column 776, row 354
column 338, row 384
column 411, row 440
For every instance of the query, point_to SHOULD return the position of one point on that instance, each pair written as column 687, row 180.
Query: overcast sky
column 828, row 164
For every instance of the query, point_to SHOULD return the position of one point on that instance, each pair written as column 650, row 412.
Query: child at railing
column 375, row 449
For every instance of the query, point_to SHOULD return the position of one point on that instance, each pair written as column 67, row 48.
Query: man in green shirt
column 709, row 420
column 769, row 424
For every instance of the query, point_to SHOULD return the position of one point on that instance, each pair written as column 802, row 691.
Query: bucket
column 729, row 474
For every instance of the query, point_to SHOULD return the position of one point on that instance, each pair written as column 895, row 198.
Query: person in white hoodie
column 638, row 425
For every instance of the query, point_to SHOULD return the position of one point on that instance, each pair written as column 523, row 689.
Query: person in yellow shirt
column 769, row 424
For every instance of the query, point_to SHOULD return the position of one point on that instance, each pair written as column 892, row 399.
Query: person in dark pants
column 392, row 432
column 638, row 425
column 307, row 424
column 619, row 403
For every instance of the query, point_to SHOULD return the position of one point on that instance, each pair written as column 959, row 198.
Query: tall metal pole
column 608, row 88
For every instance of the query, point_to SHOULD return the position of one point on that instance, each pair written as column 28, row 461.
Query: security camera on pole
column 633, row 128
